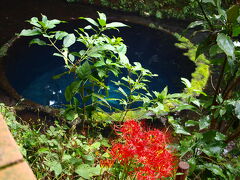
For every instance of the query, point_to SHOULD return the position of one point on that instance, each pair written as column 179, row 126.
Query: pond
column 30, row 69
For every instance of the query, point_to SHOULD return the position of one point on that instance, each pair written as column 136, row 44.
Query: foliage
column 201, row 74
column 205, row 150
column 222, row 49
column 58, row 152
column 158, row 8
column 204, row 141
column 209, row 143
column 91, row 66
column 142, row 154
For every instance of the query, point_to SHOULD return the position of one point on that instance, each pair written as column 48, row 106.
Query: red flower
column 106, row 163
column 146, row 151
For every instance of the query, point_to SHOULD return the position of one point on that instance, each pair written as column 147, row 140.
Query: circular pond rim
column 184, row 43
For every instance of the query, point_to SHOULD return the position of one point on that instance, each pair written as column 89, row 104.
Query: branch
column 205, row 15
column 234, row 136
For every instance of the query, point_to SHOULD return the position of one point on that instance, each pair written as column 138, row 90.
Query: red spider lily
column 145, row 151
column 106, row 163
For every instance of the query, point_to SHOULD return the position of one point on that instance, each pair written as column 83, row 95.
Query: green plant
column 102, row 57
column 133, row 87
column 58, row 153
column 204, row 142
column 222, row 49
column 90, row 66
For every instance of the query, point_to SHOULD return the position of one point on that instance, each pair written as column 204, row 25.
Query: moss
column 5, row 47
column 3, row 50
column 199, row 79
column 106, row 117
column 201, row 74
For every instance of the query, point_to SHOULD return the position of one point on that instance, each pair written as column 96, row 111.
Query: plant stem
column 214, row 120
column 224, row 131
column 234, row 136
column 219, row 81
column 231, row 88
column 205, row 15
column 52, row 43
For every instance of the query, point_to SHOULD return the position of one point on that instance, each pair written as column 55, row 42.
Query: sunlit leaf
column 30, row 32
column 195, row 24
column 204, row 122
column 116, row 25
column 226, row 44
column 69, row 40
column 237, row 109
column 37, row 41
column 90, row 20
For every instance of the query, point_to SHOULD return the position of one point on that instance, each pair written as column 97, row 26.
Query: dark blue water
column 30, row 69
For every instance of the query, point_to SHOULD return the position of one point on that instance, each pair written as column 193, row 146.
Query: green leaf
column 122, row 49
column 66, row 157
column 99, row 63
column 55, row 166
column 233, row 14
column 101, row 98
column 88, row 27
column 70, row 114
column 214, row 50
column 177, row 127
column 226, row 44
column 209, row 1
column 82, row 171
column 195, row 24
column 43, row 150
column 116, row 25
column 158, row 14
column 71, row 57
column 122, row 92
column 186, row 82
column 215, row 169
column 90, row 20
column 180, row 130
column 60, row 34
column 123, row 59
column 204, row 122
column 72, row 89
column 38, row 41
column 59, row 55
column 190, row 123
column 237, row 109
column 69, row 40
column 102, row 16
column 34, row 21
column 236, row 31
column 44, row 19
column 87, row 172
column 220, row 137
column 96, row 145
column 204, row 46
column 102, row 22
column 182, row 106
column 84, row 71
column 52, row 23
column 30, row 32
column 192, row 163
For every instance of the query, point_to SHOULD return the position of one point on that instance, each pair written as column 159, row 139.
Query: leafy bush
column 102, row 56
column 206, row 142
column 202, row 141
column 59, row 152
